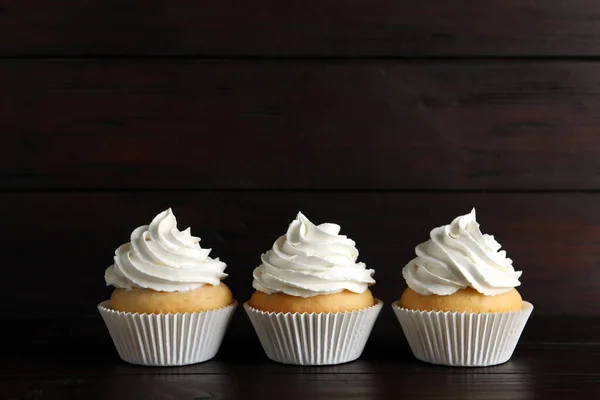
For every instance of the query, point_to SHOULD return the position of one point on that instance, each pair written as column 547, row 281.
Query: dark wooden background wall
column 388, row 117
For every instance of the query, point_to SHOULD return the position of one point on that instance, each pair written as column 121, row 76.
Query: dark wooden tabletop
column 62, row 365
column 387, row 370
column 551, row 370
column 389, row 117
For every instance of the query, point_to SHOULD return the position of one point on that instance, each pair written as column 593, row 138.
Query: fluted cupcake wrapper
column 462, row 339
column 315, row 338
column 167, row 339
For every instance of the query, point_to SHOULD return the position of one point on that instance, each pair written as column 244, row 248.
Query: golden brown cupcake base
column 325, row 303
column 466, row 300
column 148, row 301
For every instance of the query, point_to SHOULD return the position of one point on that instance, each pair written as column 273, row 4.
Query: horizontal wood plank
column 58, row 245
column 299, row 125
column 354, row 386
column 301, row 28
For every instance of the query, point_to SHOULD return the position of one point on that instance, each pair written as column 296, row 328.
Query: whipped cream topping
column 458, row 256
column 162, row 258
column 310, row 260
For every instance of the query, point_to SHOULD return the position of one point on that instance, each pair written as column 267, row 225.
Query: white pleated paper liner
column 167, row 339
column 315, row 338
column 462, row 339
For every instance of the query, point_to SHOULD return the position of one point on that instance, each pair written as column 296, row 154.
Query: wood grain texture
column 386, row 370
column 301, row 28
column 316, row 386
column 299, row 125
column 60, row 244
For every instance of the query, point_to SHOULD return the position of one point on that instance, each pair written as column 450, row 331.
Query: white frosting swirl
column 459, row 256
column 162, row 258
column 310, row 260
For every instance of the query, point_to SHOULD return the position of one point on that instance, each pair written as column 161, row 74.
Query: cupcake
column 312, row 304
column 461, row 307
column 169, row 306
